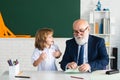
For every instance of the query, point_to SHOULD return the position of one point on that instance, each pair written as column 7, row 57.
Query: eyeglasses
column 76, row 32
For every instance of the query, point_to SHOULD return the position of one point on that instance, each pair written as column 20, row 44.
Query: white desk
column 60, row 75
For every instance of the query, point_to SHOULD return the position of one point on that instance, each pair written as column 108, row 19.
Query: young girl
column 45, row 51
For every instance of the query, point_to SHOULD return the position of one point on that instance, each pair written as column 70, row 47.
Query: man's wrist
column 89, row 68
column 66, row 67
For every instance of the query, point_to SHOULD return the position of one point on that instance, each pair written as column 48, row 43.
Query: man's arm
column 65, row 59
column 102, row 58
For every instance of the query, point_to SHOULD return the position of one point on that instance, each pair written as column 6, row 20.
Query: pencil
column 22, row 76
column 76, row 77
column 20, row 72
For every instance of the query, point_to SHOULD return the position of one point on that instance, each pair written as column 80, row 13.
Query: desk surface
column 60, row 75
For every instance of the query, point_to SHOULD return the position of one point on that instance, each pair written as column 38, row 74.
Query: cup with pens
column 13, row 68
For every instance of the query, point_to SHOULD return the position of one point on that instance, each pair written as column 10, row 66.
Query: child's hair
column 40, row 37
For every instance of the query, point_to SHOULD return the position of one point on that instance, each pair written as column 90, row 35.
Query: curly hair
column 40, row 37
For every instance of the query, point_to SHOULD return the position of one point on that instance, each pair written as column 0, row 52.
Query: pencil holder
column 14, row 70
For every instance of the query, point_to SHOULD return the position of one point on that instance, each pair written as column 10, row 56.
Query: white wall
column 113, row 5
column 22, row 49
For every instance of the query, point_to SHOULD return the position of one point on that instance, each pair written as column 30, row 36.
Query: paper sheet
column 72, row 71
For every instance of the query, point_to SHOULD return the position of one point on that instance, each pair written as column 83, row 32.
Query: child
column 45, row 51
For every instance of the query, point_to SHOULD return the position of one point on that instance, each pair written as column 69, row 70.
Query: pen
column 22, row 76
column 10, row 62
column 16, row 61
column 76, row 77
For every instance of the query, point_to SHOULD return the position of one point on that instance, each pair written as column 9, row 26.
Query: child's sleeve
column 35, row 55
column 57, row 48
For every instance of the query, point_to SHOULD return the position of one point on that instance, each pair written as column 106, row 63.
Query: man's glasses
column 76, row 32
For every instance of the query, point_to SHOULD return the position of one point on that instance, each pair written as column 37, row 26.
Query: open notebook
column 72, row 71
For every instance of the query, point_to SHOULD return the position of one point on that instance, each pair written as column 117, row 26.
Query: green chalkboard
column 24, row 17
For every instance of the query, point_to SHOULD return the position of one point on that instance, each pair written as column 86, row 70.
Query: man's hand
column 72, row 65
column 84, row 67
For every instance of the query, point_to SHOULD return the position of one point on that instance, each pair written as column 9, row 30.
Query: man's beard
column 80, row 41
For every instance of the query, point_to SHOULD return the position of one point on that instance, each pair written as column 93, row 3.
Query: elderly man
column 85, row 52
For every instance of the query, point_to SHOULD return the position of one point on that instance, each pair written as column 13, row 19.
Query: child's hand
column 57, row 54
column 40, row 59
column 43, row 56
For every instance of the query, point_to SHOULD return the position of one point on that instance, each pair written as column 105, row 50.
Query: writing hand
column 72, row 65
column 84, row 67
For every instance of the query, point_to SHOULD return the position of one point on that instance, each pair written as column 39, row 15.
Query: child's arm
column 40, row 59
column 57, row 54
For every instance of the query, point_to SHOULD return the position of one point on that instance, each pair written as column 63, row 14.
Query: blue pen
column 10, row 62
